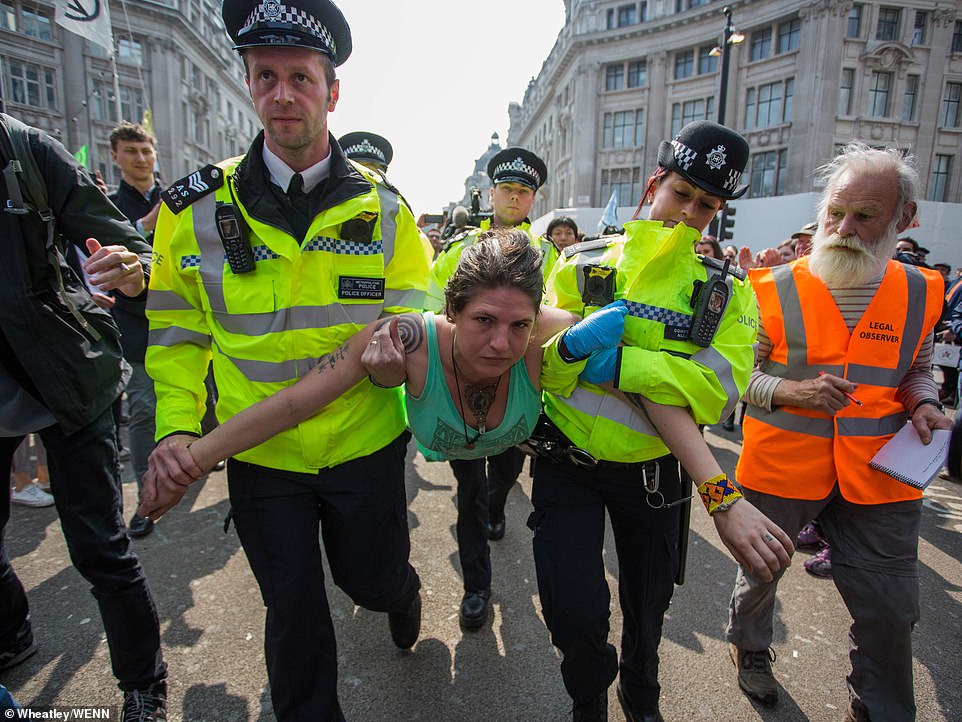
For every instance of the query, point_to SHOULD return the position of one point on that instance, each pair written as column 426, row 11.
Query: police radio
column 709, row 300
column 233, row 235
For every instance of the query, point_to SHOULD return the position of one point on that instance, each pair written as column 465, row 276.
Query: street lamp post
column 731, row 37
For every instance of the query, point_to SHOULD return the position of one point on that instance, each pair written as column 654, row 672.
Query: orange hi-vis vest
column 798, row 453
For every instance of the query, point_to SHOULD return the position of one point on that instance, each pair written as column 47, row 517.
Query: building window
column 610, row 23
column 878, row 94
column 8, row 16
column 36, row 24
column 950, row 106
column 624, row 181
column 788, row 33
column 623, row 129
column 957, row 37
column 769, row 104
column 104, row 105
column 921, row 23
column 131, row 104
column 888, row 24
column 684, row 64
column 614, row 77
column 768, row 173
column 761, row 46
column 32, row 85
column 130, row 51
column 637, row 74
column 910, row 98
column 684, row 113
column 627, row 15
column 939, row 178
column 643, row 16
column 846, row 85
column 707, row 63
column 854, row 22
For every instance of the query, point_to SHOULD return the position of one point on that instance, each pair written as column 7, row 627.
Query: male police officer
column 368, row 149
column 266, row 264
column 516, row 174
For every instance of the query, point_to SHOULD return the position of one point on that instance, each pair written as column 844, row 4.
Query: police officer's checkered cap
column 317, row 24
column 709, row 155
column 518, row 164
column 365, row 148
column 272, row 13
column 514, row 167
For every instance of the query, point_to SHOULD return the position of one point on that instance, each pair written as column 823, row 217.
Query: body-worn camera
column 599, row 285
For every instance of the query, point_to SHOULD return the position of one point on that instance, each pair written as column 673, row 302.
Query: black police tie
column 300, row 219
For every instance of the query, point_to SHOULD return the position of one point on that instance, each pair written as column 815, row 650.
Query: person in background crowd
column 708, row 246
column 786, row 251
column 731, row 253
column 138, row 198
column 318, row 247
column 616, row 461
column 803, row 239
column 61, row 368
column 563, row 232
column 28, row 491
column 433, row 234
column 807, row 444
column 483, row 484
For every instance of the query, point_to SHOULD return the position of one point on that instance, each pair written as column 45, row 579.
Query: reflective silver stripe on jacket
column 166, row 301
column 173, row 335
column 611, row 408
column 825, row 427
column 272, row 371
column 722, row 368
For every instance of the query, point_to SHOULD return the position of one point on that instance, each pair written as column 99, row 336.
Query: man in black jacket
column 61, row 368
column 138, row 198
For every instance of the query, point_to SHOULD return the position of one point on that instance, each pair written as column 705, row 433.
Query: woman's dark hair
column 563, row 221
column 500, row 258
column 715, row 246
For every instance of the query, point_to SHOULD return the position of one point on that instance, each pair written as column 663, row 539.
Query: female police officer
column 688, row 344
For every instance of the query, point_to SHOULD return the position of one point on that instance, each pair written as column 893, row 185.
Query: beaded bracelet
column 718, row 493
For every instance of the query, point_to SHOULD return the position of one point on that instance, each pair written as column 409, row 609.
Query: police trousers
column 875, row 568
column 359, row 509
column 568, row 523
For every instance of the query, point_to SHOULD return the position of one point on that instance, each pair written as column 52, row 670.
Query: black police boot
column 406, row 626
column 496, row 529
column 474, row 609
column 594, row 710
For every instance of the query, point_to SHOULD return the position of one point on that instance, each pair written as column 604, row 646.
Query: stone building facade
column 173, row 57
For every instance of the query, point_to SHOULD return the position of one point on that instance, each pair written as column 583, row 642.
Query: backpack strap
column 27, row 192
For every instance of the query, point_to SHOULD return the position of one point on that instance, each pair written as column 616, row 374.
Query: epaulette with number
column 734, row 270
column 591, row 245
column 198, row 184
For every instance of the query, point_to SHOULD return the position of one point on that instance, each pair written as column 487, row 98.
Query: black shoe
column 20, row 650
column 496, row 529
column 146, row 705
column 632, row 716
column 474, row 609
column 595, row 710
column 406, row 626
column 139, row 526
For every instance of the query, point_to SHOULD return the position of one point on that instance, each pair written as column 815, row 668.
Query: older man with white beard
column 845, row 323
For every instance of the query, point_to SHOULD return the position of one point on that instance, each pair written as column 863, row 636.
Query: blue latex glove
column 602, row 329
column 600, row 366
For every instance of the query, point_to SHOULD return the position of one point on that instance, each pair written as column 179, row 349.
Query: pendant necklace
column 480, row 399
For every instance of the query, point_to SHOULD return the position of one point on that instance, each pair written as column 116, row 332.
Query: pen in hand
column 847, row 394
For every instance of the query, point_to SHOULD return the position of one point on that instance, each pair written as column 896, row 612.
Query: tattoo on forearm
column 411, row 331
column 329, row 360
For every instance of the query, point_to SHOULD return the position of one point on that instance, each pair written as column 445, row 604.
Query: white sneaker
column 31, row 495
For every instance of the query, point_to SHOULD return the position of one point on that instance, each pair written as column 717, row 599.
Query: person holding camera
column 687, row 344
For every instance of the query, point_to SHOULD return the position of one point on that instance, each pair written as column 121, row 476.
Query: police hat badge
column 367, row 148
column 517, row 165
column 315, row 24
column 709, row 156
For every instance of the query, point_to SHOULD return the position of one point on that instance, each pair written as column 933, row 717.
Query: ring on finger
column 768, row 537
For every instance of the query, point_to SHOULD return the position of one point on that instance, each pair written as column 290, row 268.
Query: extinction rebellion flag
column 88, row 18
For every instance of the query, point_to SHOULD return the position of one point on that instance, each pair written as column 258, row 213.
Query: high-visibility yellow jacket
column 800, row 453
column 655, row 271
column 265, row 329
column 447, row 260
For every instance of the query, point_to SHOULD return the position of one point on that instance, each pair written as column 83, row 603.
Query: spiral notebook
column 905, row 458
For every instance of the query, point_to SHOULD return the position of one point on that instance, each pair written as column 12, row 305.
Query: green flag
column 81, row 155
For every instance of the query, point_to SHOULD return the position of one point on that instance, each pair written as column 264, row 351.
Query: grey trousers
column 875, row 568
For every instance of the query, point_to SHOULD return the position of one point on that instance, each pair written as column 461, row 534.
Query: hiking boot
column 755, row 673
column 820, row 565
column 20, row 650
column 146, row 705
column 595, row 710
column 811, row 537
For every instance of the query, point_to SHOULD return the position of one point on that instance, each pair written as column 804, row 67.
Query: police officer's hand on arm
column 114, row 268
column 602, row 329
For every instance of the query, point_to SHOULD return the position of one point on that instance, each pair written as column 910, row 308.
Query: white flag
column 88, row 18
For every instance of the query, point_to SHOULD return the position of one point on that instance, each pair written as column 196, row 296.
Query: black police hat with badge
column 314, row 24
column 517, row 165
column 367, row 148
column 709, row 156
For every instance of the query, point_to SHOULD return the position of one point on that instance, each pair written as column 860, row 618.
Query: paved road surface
column 212, row 624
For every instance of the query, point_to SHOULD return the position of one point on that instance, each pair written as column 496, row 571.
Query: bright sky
column 435, row 78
